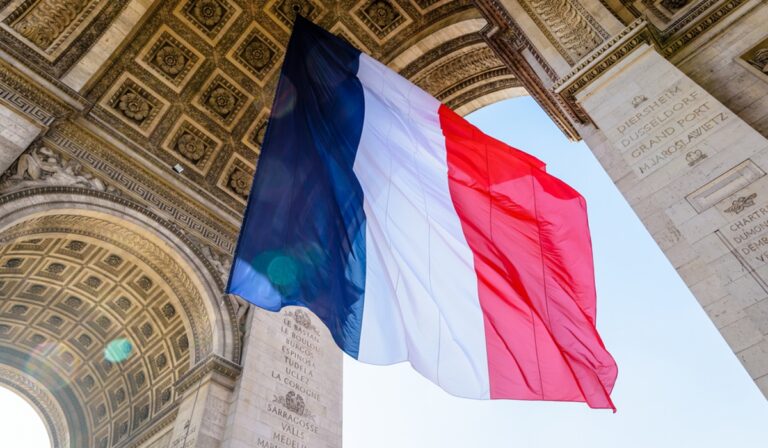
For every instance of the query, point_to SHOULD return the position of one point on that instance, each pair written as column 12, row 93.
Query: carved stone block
column 191, row 144
column 209, row 18
column 256, row 54
column 135, row 104
column 222, row 100
column 237, row 177
column 170, row 58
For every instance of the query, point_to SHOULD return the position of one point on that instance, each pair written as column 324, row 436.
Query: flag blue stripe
column 303, row 237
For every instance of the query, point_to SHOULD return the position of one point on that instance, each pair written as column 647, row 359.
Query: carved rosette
column 382, row 18
column 135, row 104
column 208, row 17
column 257, row 54
column 223, row 100
column 237, row 178
column 285, row 11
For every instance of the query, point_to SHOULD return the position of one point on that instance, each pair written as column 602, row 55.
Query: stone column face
column 695, row 174
column 16, row 133
column 290, row 390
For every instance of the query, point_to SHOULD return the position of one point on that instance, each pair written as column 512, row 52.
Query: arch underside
column 202, row 86
column 69, row 286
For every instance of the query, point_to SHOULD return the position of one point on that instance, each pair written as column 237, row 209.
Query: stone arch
column 81, row 269
column 46, row 404
column 450, row 59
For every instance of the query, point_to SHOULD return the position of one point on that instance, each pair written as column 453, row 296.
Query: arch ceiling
column 70, row 285
column 193, row 84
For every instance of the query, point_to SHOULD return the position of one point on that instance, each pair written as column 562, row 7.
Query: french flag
column 415, row 237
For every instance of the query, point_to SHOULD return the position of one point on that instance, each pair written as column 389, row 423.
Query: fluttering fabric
column 415, row 237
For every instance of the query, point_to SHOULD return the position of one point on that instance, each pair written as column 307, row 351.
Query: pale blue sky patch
column 679, row 384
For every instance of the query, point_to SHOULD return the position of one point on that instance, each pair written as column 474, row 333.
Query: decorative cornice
column 161, row 421
column 500, row 21
column 506, row 38
column 138, row 181
column 214, row 364
column 30, row 100
column 559, row 101
column 639, row 32
column 605, row 56
column 680, row 35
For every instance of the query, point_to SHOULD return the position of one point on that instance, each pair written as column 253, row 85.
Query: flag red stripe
column 529, row 235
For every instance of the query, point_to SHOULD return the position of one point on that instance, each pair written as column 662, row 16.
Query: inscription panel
column 668, row 127
column 695, row 173
column 299, row 381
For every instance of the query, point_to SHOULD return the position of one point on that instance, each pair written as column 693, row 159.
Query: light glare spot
column 118, row 350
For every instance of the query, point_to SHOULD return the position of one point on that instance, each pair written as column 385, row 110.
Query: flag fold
column 415, row 237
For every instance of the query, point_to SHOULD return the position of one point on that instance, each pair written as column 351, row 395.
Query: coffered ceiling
column 192, row 85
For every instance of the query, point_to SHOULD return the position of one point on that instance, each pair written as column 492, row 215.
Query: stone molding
column 226, row 373
column 599, row 61
column 559, row 99
column 160, row 422
column 43, row 402
column 567, row 26
column 637, row 33
column 507, row 39
column 132, row 179
column 28, row 99
column 50, row 36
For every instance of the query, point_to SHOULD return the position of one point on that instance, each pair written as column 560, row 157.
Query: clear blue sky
column 679, row 384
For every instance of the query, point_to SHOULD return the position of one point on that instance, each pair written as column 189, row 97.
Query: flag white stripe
column 416, row 253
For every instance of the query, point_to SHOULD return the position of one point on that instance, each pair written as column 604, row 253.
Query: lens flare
column 118, row 350
column 282, row 271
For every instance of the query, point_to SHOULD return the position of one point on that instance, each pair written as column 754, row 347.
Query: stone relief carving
column 43, row 167
column 46, row 20
column 240, row 182
column 570, row 28
column 220, row 261
column 224, row 100
column 741, row 204
column 302, row 319
column 209, row 17
column 295, row 403
column 237, row 177
column 453, row 71
column 241, row 309
column 694, row 157
column 638, row 100
column 760, row 59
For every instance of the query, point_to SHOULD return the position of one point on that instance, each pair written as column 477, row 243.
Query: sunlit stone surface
column 112, row 264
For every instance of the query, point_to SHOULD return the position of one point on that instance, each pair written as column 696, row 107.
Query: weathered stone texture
column 695, row 174
column 718, row 66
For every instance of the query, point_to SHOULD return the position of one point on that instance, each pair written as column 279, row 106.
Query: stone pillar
column 694, row 172
column 16, row 134
column 290, row 390
column 202, row 413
